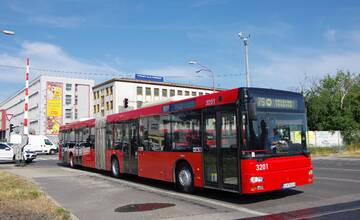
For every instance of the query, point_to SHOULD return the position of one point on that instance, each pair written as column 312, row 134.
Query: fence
column 325, row 139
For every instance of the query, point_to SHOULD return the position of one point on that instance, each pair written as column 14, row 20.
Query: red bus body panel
column 161, row 165
column 278, row 171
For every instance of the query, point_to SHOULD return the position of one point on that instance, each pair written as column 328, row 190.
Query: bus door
column 130, row 147
column 220, row 150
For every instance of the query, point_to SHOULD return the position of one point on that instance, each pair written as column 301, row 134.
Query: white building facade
column 53, row 101
column 109, row 96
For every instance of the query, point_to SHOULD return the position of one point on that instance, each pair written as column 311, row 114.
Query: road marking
column 328, row 213
column 337, row 169
column 175, row 194
column 337, row 179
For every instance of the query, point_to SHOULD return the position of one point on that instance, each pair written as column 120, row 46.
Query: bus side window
column 144, row 133
column 109, row 136
column 92, row 137
column 185, row 127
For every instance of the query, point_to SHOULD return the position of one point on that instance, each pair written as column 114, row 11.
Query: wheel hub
column 185, row 177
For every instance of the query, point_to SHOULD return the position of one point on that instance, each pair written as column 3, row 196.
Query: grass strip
column 21, row 199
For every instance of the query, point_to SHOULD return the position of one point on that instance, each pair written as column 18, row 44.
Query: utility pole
column 245, row 38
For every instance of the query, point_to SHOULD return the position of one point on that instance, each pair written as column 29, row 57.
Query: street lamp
column 245, row 38
column 7, row 32
column 204, row 68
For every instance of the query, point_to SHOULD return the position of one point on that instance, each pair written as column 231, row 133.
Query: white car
column 7, row 153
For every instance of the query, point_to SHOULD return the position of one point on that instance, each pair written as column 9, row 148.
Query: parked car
column 7, row 153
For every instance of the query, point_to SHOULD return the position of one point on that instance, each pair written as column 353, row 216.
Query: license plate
column 288, row 185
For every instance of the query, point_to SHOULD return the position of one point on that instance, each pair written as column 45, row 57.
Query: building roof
column 129, row 80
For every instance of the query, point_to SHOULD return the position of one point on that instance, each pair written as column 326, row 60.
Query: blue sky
column 290, row 40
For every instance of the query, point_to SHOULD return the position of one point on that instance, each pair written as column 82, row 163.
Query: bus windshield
column 277, row 134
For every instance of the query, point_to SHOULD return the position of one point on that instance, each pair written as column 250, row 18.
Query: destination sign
column 179, row 106
column 276, row 103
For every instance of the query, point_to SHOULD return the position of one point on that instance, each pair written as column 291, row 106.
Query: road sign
column 9, row 116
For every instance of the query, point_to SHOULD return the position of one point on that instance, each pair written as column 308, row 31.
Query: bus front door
column 130, row 153
column 220, row 150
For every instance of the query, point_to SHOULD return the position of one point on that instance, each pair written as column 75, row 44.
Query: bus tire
column 184, row 178
column 115, row 168
column 71, row 161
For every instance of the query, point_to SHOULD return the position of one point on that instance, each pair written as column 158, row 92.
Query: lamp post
column 204, row 68
column 7, row 32
column 245, row 38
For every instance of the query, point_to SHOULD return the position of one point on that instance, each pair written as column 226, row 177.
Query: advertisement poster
column 53, row 107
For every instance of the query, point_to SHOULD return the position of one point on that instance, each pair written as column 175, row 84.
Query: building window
column 76, row 114
column 94, row 109
column 111, row 90
column 97, row 108
column 107, row 91
column 180, row 92
column 172, row 93
column 164, row 92
column 102, row 101
column 187, row 93
column 139, row 90
column 94, row 95
column 201, row 93
column 97, row 94
column 107, row 106
column 76, row 99
column 68, row 113
column 156, row 92
column 68, row 86
column 148, row 91
column 68, row 99
column 193, row 93
column 111, row 105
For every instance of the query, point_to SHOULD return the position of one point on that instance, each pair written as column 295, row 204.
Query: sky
column 291, row 42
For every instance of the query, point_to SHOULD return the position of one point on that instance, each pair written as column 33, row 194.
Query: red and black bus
column 245, row 140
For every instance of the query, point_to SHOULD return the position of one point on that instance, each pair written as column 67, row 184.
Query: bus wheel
column 184, row 178
column 71, row 161
column 115, row 168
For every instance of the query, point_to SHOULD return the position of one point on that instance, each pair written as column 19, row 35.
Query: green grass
column 349, row 150
column 22, row 199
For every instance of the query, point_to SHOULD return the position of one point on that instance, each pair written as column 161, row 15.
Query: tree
column 333, row 103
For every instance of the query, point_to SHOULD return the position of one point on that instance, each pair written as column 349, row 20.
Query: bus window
column 158, row 134
column 185, row 131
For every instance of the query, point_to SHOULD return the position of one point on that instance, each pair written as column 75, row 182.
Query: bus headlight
column 311, row 172
column 256, row 179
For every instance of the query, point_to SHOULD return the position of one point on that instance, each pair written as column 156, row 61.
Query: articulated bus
column 244, row 140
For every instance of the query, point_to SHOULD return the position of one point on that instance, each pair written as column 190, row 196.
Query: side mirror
column 252, row 110
column 7, row 148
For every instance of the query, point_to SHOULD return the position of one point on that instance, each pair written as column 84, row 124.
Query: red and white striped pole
column 26, row 109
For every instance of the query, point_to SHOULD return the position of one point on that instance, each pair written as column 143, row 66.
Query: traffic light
column 126, row 102
column 12, row 128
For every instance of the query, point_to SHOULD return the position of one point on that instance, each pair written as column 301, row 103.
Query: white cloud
column 48, row 56
column 288, row 71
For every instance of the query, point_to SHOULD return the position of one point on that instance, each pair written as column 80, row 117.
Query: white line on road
column 187, row 196
column 336, row 169
column 337, row 179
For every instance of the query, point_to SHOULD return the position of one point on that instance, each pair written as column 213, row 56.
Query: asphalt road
column 89, row 194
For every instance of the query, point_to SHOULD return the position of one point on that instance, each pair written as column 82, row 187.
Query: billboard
column 149, row 78
column 53, row 107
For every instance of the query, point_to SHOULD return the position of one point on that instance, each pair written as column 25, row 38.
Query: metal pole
column 247, row 64
column 26, row 107
column 213, row 79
